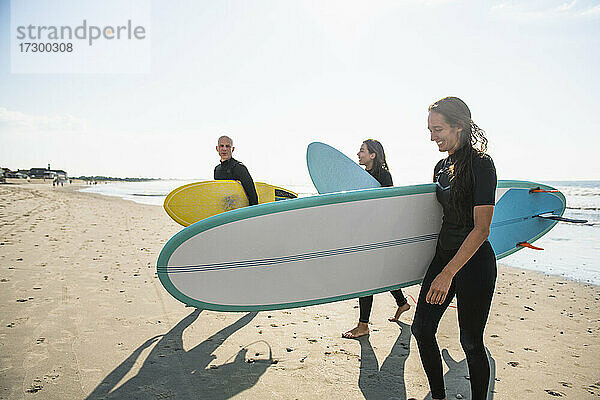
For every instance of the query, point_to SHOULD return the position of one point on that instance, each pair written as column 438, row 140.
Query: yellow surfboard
column 193, row 202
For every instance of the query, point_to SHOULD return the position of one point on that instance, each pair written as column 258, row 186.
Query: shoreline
column 84, row 316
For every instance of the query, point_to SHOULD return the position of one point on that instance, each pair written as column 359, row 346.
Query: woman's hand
column 439, row 288
column 482, row 218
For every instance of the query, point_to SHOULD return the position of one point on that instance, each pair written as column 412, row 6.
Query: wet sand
column 83, row 315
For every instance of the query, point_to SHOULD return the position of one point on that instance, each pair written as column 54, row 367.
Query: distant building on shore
column 42, row 173
column 47, row 173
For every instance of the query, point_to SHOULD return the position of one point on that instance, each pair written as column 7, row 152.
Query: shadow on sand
column 388, row 382
column 171, row 372
column 457, row 377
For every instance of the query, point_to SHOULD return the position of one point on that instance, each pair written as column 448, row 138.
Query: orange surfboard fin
column 529, row 246
column 540, row 190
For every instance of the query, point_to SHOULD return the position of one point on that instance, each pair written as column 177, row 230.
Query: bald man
column 232, row 169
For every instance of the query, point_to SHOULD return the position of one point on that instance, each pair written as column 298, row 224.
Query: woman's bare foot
column 361, row 329
column 399, row 312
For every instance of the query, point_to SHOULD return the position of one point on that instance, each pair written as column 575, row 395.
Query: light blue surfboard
column 311, row 250
column 332, row 171
column 519, row 214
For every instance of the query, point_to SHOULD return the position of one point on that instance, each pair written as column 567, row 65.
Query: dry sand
column 83, row 315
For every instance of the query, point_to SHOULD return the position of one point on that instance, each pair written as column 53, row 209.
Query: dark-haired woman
column 372, row 156
column 464, row 263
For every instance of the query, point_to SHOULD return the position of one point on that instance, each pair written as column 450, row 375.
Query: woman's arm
column 482, row 219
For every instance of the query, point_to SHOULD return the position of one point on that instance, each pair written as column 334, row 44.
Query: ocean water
column 154, row 192
column 570, row 250
column 148, row 192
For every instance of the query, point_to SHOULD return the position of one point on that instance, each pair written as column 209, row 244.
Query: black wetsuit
column 232, row 169
column 384, row 178
column 473, row 285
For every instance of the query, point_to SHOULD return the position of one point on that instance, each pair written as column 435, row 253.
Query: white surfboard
column 325, row 248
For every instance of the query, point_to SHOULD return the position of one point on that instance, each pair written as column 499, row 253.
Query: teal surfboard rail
column 556, row 205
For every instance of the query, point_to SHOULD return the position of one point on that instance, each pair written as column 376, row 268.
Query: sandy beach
column 83, row 315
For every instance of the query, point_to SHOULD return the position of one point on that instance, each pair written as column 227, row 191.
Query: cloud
column 530, row 9
column 566, row 6
column 592, row 11
column 15, row 121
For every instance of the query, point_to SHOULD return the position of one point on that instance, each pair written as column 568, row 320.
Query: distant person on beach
column 372, row 156
column 464, row 263
column 232, row 169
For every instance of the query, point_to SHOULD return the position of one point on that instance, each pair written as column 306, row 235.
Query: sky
column 276, row 75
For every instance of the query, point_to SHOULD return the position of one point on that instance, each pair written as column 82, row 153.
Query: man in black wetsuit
column 232, row 169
